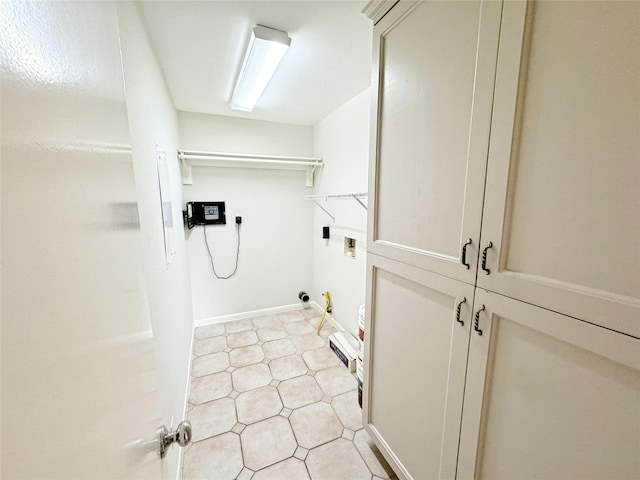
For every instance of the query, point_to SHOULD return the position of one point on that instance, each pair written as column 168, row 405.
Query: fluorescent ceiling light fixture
column 266, row 49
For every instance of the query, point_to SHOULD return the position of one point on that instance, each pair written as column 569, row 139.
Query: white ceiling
column 200, row 46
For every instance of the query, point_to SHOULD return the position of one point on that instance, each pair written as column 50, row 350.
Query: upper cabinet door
column 562, row 204
column 434, row 68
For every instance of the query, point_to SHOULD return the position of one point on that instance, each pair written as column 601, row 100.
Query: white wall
column 342, row 140
column 153, row 120
column 275, row 253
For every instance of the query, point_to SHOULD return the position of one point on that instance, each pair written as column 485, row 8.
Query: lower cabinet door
column 548, row 396
column 415, row 361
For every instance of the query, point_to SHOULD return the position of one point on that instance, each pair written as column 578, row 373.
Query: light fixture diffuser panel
column 266, row 49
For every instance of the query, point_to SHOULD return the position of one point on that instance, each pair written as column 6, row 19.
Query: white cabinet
column 513, row 125
column 433, row 89
column 548, row 397
column 562, row 203
column 419, row 348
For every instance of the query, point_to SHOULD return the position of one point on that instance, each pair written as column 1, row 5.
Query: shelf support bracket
column 310, row 175
column 325, row 210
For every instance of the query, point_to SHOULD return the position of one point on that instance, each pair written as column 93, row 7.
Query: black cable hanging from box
column 204, row 226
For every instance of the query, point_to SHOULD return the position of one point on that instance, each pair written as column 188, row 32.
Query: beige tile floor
column 270, row 400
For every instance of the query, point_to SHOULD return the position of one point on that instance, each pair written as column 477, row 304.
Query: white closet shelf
column 339, row 196
column 245, row 160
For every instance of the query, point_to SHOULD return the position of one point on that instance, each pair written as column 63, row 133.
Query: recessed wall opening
column 350, row 247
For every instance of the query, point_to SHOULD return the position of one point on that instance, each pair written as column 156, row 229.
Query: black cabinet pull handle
column 484, row 258
column 464, row 300
column 463, row 258
column 476, row 321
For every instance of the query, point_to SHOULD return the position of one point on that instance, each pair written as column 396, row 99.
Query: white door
column 418, row 326
column 548, row 396
column 78, row 366
column 562, row 198
column 434, row 65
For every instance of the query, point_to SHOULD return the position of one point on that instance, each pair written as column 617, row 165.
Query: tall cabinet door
column 548, row 396
column 434, row 67
column 562, row 198
column 417, row 326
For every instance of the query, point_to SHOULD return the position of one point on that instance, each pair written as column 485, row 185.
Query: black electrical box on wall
column 205, row 213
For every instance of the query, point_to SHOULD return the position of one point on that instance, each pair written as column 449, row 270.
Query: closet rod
column 245, row 157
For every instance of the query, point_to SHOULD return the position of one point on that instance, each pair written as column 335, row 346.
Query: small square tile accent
column 230, row 369
column 327, row 399
column 301, row 453
column 234, row 395
column 227, row 350
column 348, row 434
column 245, row 474
column 238, row 428
column 274, row 383
column 260, row 342
column 285, row 412
column 311, row 373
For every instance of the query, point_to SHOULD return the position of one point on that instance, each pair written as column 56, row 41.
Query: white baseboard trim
column 201, row 322
column 328, row 318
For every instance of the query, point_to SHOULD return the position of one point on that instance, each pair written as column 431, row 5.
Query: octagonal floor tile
column 209, row 345
column 284, row 368
column 250, row 377
column 210, row 330
column 321, row 358
column 291, row 316
column 238, row 325
column 338, row 459
column 299, row 391
column 210, row 387
column 267, row 442
column 315, row 424
column 208, row 364
column 218, row 457
column 279, row 348
column 348, row 410
column 299, row 328
column 242, row 339
column 212, row 418
column 243, row 356
column 267, row 321
column 336, row 380
column 308, row 341
column 372, row 456
column 267, row 334
column 258, row 404
column 290, row 468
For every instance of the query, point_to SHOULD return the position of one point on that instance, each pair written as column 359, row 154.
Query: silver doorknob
column 181, row 435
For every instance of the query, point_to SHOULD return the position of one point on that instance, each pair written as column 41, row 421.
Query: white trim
column 376, row 9
column 201, row 322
